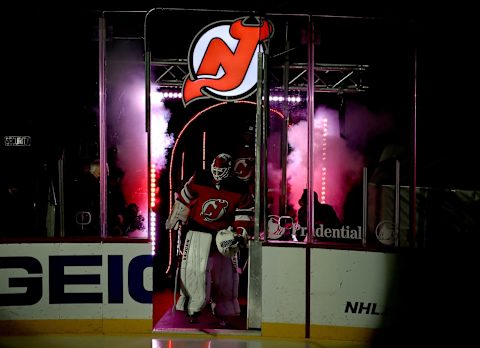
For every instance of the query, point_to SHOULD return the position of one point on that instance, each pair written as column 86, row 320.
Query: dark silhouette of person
column 133, row 220
column 324, row 214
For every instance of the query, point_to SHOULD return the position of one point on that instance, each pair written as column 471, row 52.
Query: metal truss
column 170, row 73
column 329, row 78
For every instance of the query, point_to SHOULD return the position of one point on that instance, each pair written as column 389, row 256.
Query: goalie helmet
column 226, row 242
column 221, row 166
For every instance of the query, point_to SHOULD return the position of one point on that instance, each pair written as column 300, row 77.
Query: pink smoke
column 344, row 156
column 127, row 131
column 343, row 164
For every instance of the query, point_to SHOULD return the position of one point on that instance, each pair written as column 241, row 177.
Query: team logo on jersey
column 222, row 60
column 214, row 209
column 244, row 168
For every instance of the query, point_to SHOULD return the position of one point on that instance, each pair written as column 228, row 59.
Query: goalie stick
column 179, row 260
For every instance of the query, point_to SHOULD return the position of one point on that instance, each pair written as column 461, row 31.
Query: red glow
column 172, row 157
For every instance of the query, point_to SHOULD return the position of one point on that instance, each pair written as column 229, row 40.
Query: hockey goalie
column 216, row 209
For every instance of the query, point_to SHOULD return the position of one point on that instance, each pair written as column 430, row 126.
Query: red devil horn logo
column 222, row 60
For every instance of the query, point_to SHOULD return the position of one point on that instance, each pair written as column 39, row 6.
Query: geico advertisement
column 81, row 281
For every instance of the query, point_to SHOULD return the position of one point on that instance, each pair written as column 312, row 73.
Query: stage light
column 292, row 99
column 164, row 94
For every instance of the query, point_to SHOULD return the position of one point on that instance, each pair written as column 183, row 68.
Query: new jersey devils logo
column 222, row 60
column 214, row 209
column 243, row 168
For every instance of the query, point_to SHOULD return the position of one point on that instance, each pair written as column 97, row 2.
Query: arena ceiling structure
column 57, row 47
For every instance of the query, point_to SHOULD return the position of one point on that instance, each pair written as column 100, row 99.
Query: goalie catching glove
column 179, row 214
column 229, row 243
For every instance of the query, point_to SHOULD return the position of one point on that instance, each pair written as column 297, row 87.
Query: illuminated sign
column 17, row 140
column 222, row 59
column 279, row 225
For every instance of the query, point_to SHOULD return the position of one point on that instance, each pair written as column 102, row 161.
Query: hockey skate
column 193, row 319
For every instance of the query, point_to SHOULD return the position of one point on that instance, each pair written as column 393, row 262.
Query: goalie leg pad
column 225, row 285
column 195, row 272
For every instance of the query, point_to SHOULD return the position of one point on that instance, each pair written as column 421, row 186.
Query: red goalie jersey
column 217, row 205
